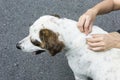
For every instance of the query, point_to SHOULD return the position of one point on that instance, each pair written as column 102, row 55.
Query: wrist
column 94, row 10
column 117, row 39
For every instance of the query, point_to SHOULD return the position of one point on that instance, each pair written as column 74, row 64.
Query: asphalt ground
column 15, row 18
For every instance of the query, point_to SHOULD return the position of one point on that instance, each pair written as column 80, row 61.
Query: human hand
column 101, row 42
column 85, row 21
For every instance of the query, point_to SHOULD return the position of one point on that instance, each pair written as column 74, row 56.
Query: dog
column 61, row 35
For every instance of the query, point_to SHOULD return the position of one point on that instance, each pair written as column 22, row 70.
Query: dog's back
column 85, row 63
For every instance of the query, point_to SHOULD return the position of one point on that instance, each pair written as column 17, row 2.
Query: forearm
column 103, row 7
column 116, row 4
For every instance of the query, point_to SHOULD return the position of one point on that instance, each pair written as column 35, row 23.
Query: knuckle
column 81, row 17
column 87, row 16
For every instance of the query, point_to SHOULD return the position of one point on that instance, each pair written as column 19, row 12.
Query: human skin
column 86, row 21
column 102, row 42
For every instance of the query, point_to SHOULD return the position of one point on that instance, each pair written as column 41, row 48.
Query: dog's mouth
column 38, row 52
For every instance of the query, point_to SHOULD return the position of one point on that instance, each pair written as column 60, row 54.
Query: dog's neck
column 70, row 34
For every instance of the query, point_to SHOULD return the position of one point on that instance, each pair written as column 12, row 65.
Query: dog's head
column 42, row 37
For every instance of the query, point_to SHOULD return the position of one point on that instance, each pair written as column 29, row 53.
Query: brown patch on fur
column 50, row 41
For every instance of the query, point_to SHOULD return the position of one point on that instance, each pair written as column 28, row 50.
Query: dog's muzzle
column 35, row 52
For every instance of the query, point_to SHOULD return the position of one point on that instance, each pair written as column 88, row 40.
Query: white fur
column 83, row 62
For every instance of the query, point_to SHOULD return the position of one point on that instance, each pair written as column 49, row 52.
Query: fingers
column 90, row 27
column 97, row 35
column 81, row 23
column 84, row 24
column 87, row 25
column 97, row 46
column 97, row 49
column 97, row 42
column 94, row 40
column 86, row 21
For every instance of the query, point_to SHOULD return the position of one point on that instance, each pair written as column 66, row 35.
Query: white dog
column 53, row 34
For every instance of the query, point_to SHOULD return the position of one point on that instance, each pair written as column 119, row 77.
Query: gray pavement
column 15, row 18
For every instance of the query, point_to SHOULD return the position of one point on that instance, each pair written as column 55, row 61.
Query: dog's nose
column 18, row 46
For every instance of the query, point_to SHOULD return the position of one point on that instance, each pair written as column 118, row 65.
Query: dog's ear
column 55, row 15
column 50, row 41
